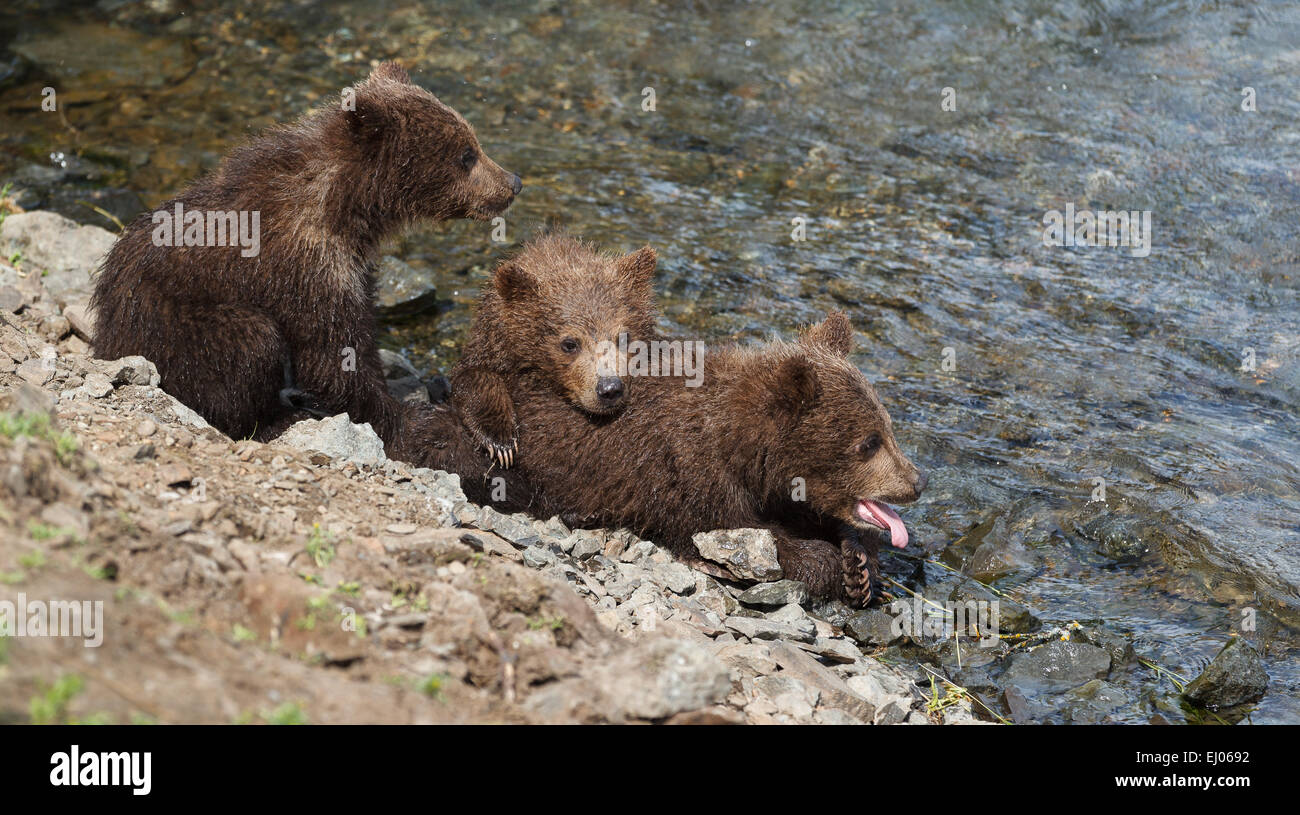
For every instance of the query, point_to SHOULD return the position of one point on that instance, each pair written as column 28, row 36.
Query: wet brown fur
column 329, row 188
column 557, row 291
column 678, row 460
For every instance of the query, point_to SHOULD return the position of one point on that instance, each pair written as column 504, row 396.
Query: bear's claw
column 859, row 572
column 502, row 454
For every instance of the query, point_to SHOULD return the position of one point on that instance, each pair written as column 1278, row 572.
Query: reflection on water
column 1020, row 373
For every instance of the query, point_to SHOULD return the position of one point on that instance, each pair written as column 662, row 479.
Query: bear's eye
column 468, row 158
column 569, row 345
column 868, row 446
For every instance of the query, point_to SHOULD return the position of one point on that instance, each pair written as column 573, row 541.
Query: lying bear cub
column 557, row 309
column 787, row 436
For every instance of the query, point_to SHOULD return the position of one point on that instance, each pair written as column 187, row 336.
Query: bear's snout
column 516, row 184
column 919, row 481
column 609, row 390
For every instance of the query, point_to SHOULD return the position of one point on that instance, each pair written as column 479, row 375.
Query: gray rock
column 890, row 695
column 338, row 438
column 1116, row 538
column 401, row 289
column 759, row 628
column 835, row 716
column 36, row 371
column 1117, row 645
column 872, row 627
column 82, row 319
column 788, row 613
column 67, row 251
column 442, row 485
column 787, row 695
column 1011, row 618
column 519, row 532
column 837, row 649
column 1059, row 665
column 637, row 551
column 587, row 544
column 186, row 415
column 833, row 691
column 537, row 557
column 132, row 370
column 11, row 300
column 653, row 679
column 676, row 577
column 96, row 386
column 1235, row 676
column 29, row 398
column 749, row 554
column 779, row 593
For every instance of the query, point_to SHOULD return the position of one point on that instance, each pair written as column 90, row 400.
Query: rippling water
column 1018, row 373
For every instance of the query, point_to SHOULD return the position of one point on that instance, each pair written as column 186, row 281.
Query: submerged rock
column 401, row 289
column 1235, row 676
column 873, row 627
column 1058, row 665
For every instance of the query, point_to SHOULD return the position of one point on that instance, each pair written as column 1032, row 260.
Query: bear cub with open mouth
column 785, row 436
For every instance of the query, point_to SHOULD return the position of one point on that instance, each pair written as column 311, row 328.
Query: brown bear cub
column 242, row 336
column 787, row 436
column 558, row 310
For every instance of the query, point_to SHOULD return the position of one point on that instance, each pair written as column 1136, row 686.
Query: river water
column 922, row 145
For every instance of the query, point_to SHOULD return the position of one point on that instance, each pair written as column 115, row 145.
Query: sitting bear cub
column 242, row 336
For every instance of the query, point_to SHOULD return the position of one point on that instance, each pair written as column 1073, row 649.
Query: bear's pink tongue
column 884, row 517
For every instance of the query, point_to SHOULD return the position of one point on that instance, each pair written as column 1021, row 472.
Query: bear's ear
column 794, row 388
column 835, row 333
column 368, row 116
column 638, row 268
column 513, row 283
column 391, row 71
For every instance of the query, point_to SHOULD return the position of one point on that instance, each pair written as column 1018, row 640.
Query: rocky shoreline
column 314, row 579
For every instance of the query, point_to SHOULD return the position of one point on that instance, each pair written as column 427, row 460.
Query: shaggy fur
column 228, row 333
column 556, row 311
column 678, row 460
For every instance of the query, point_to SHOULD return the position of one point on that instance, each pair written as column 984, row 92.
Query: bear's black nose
column 919, row 482
column 609, row 389
column 516, row 184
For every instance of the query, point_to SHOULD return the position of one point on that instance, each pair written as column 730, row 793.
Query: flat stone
column 779, row 593
column 1058, row 665
column 749, row 554
column 872, row 627
column 758, row 628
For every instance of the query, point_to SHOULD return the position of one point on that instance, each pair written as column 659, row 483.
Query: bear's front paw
column 502, row 453
column 860, row 565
